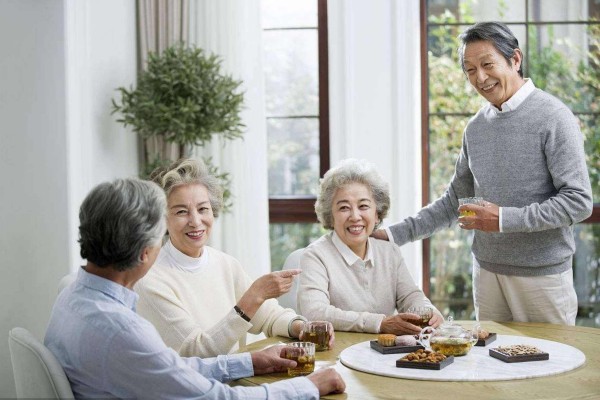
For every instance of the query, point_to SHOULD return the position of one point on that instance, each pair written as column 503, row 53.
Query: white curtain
column 374, row 97
column 232, row 30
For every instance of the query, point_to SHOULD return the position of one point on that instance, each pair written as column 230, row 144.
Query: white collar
column 516, row 99
column 349, row 256
column 184, row 262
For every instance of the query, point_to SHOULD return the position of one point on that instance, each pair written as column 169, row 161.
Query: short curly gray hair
column 346, row 172
column 187, row 171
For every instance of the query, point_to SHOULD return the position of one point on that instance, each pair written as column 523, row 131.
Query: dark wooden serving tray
column 393, row 349
column 422, row 365
column 486, row 341
column 523, row 358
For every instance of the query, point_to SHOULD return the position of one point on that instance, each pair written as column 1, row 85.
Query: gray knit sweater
column 530, row 161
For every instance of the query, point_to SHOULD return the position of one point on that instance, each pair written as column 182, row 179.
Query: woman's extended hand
column 266, row 287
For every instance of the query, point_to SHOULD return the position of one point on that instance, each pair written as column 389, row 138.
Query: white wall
column 61, row 60
column 374, row 61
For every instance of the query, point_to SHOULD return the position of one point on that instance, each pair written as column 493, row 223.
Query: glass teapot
column 449, row 338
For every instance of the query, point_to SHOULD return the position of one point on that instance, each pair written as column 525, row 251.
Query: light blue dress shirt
column 107, row 350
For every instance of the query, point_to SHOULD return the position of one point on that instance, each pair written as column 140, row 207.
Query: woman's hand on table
column 436, row 320
column 398, row 324
column 266, row 287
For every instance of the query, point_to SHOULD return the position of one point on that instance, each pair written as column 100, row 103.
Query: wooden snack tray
column 486, row 341
column 394, row 349
column 522, row 358
column 424, row 365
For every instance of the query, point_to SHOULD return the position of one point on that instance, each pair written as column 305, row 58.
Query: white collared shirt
column 349, row 256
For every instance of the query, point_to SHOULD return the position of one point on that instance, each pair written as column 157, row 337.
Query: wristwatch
column 239, row 312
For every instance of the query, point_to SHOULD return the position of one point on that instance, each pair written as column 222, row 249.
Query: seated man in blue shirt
column 107, row 350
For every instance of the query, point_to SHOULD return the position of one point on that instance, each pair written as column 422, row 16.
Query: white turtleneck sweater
column 190, row 302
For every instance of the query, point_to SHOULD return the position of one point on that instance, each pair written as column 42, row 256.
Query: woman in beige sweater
column 200, row 299
column 357, row 282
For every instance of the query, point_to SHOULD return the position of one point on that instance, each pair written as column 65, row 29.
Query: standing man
column 108, row 351
column 523, row 154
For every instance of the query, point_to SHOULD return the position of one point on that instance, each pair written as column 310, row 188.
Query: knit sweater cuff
column 512, row 220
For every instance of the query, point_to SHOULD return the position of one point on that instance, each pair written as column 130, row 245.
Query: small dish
column 425, row 365
column 393, row 349
column 487, row 340
column 519, row 358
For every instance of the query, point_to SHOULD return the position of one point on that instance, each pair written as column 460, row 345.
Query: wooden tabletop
column 581, row 383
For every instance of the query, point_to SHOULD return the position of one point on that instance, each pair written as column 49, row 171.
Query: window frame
column 294, row 209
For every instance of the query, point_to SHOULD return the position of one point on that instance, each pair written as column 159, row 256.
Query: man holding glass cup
column 522, row 154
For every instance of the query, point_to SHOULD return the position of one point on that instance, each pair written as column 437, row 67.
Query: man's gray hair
column 187, row 171
column 347, row 172
column 118, row 219
column 496, row 33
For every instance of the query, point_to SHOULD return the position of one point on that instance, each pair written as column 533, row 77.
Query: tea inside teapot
column 449, row 339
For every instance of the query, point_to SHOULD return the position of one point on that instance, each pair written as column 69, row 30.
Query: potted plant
column 181, row 100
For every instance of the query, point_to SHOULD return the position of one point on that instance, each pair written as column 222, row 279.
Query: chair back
column 66, row 281
column 37, row 372
column 289, row 299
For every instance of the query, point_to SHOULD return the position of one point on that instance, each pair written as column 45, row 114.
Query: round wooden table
column 581, row 383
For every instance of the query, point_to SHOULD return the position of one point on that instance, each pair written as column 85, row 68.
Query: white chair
column 292, row 261
column 66, row 281
column 38, row 374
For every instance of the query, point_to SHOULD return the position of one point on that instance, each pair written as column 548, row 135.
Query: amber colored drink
column 467, row 213
column 452, row 347
column 304, row 355
column 320, row 339
column 319, row 333
column 306, row 365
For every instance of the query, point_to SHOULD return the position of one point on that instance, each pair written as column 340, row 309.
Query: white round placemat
column 478, row 365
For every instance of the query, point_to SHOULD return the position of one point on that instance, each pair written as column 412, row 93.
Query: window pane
column 289, row 14
column 559, row 63
column 558, row 10
column 451, row 265
column 286, row 238
column 470, row 11
column 586, row 274
column 445, row 135
column 293, row 156
column 291, row 73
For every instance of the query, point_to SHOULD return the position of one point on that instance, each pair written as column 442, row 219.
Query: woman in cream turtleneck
column 200, row 299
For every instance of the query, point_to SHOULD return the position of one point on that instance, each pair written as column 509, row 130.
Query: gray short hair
column 186, row 171
column 118, row 219
column 346, row 172
column 496, row 33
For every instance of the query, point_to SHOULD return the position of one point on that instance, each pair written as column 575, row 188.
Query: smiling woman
column 357, row 282
column 200, row 299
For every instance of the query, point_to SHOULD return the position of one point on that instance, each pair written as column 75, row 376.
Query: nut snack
column 424, row 359
column 518, row 353
column 424, row 356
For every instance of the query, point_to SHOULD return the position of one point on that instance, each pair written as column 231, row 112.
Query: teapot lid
column 450, row 328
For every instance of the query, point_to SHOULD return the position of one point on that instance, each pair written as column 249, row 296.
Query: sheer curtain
column 232, row 30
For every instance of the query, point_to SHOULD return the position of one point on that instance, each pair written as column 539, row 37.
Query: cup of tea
column 319, row 333
column 425, row 313
column 304, row 355
column 478, row 201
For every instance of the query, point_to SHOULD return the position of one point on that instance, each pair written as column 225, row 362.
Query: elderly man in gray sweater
column 523, row 154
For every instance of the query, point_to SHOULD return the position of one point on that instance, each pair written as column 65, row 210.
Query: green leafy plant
column 184, row 98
